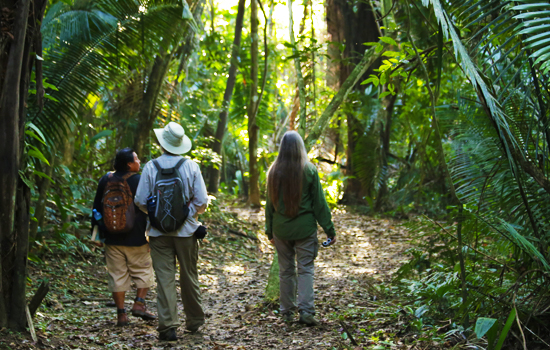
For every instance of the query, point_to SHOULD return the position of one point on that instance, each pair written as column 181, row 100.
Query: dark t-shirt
column 134, row 238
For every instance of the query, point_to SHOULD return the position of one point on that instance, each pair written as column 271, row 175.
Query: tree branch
column 368, row 59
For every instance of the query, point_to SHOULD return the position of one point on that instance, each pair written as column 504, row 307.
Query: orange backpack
column 118, row 205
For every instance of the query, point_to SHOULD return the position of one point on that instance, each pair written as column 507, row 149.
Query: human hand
column 272, row 240
column 98, row 244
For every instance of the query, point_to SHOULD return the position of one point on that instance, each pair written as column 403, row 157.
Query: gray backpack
column 166, row 207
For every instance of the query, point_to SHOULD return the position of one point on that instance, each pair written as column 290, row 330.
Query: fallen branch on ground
column 40, row 294
column 348, row 333
column 241, row 234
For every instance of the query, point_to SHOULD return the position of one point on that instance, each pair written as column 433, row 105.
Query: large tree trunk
column 15, row 69
column 298, row 68
column 12, row 61
column 351, row 24
column 316, row 130
column 148, row 113
column 214, row 174
column 387, row 109
column 40, row 207
column 253, row 130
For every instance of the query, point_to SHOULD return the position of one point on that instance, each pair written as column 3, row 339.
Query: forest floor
column 350, row 283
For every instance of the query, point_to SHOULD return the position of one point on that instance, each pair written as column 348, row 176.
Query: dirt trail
column 233, row 276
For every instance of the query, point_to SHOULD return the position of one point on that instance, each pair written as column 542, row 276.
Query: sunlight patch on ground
column 234, row 269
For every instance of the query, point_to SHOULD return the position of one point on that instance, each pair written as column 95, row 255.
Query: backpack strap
column 182, row 160
column 157, row 165
column 168, row 171
column 128, row 175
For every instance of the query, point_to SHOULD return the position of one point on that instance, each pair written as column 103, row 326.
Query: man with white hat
column 180, row 243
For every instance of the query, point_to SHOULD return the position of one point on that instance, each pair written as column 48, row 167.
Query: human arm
column 99, row 207
column 269, row 219
column 200, row 195
column 320, row 207
column 144, row 188
column 98, row 197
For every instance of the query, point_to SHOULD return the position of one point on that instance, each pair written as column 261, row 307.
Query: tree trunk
column 253, row 130
column 298, row 68
column 12, row 61
column 352, row 25
column 18, row 318
column 369, row 58
column 40, row 206
column 387, row 108
column 214, row 173
column 147, row 115
column 15, row 68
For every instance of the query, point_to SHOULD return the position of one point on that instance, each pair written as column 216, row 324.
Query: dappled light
column 254, row 174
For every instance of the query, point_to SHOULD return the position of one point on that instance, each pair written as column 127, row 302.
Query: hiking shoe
column 193, row 326
column 140, row 310
column 122, row 318
column 288, row 317
column 168, row 335
column 308, row 319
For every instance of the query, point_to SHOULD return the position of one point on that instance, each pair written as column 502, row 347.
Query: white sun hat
column 173, row 139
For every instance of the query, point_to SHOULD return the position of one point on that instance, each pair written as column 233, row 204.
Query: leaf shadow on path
column 233, row 276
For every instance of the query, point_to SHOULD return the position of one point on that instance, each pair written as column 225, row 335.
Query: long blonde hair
column 287, row 172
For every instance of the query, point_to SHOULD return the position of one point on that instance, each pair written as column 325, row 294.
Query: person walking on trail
column 172, row 235
column 295, row 204
column 126, row 248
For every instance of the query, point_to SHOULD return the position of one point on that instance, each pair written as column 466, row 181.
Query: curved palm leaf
column 94, row 54
column 500, row 164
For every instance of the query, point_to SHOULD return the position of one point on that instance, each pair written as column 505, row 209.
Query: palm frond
column 100, row 41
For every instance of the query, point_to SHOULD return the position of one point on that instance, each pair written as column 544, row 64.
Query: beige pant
column 164, row 251
column 302, row 251
column 127, row 264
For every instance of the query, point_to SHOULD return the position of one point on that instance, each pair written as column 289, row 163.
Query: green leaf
column 50, row 97
column 373, row 79
column 49, row 86
column 384, row 94
column 36, row 130
column 388, row 40
column 104, row 133
column 506, row 329
column 41, row 174
column 35, row 136
column 383, row 79
column 533, row 14
column 25, row 180
column 34, row 258
column 530, row 6
column 61, row 208
column 439, row 63
column 391, row 54
column 35, row 153
column 483, row 324
column 188, row 15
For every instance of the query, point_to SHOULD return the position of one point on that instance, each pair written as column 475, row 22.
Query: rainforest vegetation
column 427, row 120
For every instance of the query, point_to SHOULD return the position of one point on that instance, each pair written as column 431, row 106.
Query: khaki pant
column 302, row 251
column 164, row 251
column 127, row 264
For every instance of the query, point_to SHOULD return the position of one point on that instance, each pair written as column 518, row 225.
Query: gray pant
column 303, row 251
column 164, row 251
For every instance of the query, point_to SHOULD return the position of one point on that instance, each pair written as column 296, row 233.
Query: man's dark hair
column 123, row 157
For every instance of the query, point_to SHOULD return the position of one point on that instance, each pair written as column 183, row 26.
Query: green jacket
column 313, row 209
